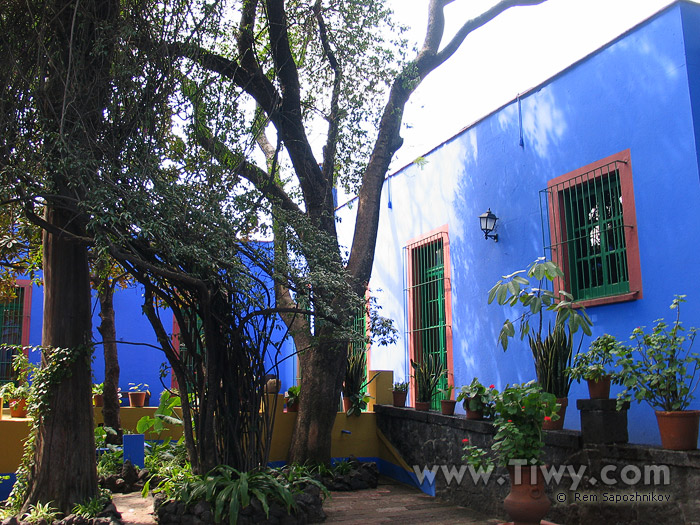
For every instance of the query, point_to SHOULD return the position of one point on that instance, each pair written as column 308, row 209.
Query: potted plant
column 97, row 392
column 291, row 397
column 355, row 397
column 400, row 391
column 137, row 394
column 660, row 369
column 477, row 400
column 447, row 405
column 519, row 413
column 595, row 366
column 17, row 392
column 552, row 350
column 427, row 374
column 17, row 396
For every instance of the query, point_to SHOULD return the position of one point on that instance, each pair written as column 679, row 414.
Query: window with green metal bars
column 592, row 226
column 428, row 303
column 11, row 323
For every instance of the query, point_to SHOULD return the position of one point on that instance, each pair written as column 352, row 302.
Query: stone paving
column 393, row 502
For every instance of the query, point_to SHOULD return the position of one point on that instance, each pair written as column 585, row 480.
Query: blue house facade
column 596, row 168
column 140, row 357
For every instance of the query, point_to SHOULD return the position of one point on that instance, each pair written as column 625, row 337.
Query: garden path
column 134, row 509
column 393, row 502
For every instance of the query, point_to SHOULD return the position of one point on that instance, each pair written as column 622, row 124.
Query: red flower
column 492, row 386
column 510, row 421
column 547, row 418
column 465, row 440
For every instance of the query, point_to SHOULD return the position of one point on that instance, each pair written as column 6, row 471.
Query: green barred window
column 425, row 291
column 592, row 228
column 359, row 326
column 596, row 237
column 11, row 317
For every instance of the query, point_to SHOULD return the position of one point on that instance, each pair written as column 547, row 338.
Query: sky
column 517, row 51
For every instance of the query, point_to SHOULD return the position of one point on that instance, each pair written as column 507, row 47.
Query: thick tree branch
column 329, row 152
column 389, row 140
column 476, row 23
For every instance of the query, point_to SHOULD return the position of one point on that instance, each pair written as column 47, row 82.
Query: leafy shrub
column 41, row 512
column 228, row 490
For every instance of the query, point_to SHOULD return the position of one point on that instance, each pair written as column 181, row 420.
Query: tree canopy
column 166, row 134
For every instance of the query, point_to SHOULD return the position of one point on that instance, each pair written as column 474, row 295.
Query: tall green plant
column 356, row 382
column 552, row 350
column 552, row 358
column 428, row 374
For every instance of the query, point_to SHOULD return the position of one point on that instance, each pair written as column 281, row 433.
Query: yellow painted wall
column 13, row 432
column 361, row 438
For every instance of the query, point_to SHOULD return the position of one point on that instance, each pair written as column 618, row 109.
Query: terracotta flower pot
column 447, row 406
column 599, row 389
column 293, row 407
column 475, row 414
column 18, row 408
column 527, row 502
column 399, row 398
column 98, row 400
column 423, row 406
column 347, row 404
column 679, row 430
column 559, row 423
column 137, row 399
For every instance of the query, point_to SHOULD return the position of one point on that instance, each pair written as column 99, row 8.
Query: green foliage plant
column 428, row 374
column 94, row 506
column 447, row 391
column 552, row 351
column 41, row 513
column 401, row 386
column 342, row 467
column 520, row 411
column 478, row 398
column 552, row 356
column 356, row 381
column 138, row 387
column 660, row 367
column 20, row 387
column 291, row 396
column 598, row 361
column 228, row 491
column 98, row 389
column 164, row 414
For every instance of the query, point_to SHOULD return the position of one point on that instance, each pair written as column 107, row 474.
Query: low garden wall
column 588, row 483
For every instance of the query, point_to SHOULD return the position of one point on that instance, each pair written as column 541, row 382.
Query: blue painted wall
column 139, row 361
column 642, row 92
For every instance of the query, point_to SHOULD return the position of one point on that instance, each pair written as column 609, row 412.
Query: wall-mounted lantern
column 488, row 223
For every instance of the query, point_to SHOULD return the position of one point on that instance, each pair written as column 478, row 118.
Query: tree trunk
column 107, row 328
column 64, row 470
column 322, row 372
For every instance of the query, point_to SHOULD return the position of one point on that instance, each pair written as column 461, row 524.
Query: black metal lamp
column 488, row 223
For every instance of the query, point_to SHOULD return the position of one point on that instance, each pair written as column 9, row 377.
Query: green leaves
column 659, row 367
column 515, row 290
column 520, row 411
column 428, row 373
column 228, row 491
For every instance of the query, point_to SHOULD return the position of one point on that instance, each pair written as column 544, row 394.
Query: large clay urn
column 527, row 502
